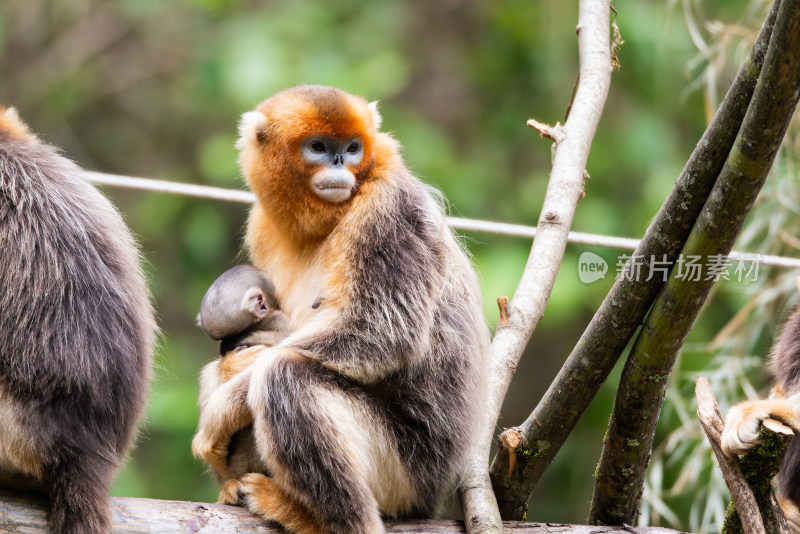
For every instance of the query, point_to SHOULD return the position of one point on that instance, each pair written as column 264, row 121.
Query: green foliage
column 155, row 89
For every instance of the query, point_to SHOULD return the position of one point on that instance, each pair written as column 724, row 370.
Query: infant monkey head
column 240, row 309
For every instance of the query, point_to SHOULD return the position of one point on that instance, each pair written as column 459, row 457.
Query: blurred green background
column 154, row 89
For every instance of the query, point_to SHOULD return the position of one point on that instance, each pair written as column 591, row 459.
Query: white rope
column 474, row 225
column 176, row 188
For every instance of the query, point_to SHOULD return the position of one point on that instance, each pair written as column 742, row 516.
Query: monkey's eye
column 352, row 148
column 318, row 146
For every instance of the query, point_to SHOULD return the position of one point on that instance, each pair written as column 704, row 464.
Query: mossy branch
column 759, row 467
column 626, row 452
column 753, row 508
column 625, row 306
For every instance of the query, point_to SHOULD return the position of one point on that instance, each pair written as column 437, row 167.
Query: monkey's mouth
column 334, row 188
column 333, row 193
column 335, row 185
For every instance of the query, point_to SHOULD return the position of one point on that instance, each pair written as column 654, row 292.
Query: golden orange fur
column 273, row 175
column 269, row 501
column 234, row 363
column 289, row 225
column 13, row 125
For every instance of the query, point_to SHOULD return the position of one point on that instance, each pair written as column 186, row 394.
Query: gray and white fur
column 76, row 332
column 240, row 310
column 785, row 364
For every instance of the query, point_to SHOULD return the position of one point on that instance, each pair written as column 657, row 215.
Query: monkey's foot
column 229, row 493
column 744, row 420
column 263, row 497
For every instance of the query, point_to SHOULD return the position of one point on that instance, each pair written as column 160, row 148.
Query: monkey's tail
column 78, row 488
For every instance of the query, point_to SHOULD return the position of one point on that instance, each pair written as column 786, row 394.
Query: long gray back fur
column 76, row 327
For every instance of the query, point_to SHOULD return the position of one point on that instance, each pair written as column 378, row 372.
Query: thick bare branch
column 527, row 306
column 25, row 515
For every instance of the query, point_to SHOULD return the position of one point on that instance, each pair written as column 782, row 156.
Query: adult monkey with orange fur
column 743, row 421
column 76, row 332
column 369, row 407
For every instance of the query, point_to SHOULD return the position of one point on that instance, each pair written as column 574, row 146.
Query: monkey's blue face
column 333, row 156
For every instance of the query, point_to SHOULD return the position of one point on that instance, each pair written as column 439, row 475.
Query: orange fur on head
column 13, row 125
column 270, row 158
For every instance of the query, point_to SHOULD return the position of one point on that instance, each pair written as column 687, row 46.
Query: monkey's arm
column 235, row 362
column 223, row 412
column 210, row 380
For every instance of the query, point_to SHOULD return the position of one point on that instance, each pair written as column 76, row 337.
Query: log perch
column 22, row 514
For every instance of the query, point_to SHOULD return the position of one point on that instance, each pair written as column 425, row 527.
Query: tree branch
column 626, row 450
column 21, row 514
column 527, row 306
column 713, row 424
column 614, row 324
column 759, row 467
column 750, row 484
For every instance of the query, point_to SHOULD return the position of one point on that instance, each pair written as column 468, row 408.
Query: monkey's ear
column 255, row 302
column 252, row 130
column 376, row 116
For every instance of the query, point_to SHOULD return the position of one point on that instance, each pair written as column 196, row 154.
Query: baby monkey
column 239, row 310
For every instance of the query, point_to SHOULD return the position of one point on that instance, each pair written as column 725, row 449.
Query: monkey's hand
column 744, row 420
column 222, row 414
column 213, row 452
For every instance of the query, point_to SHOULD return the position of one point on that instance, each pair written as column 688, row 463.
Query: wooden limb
column 626, row 305
column 530, row 298
column 741, row 494
column 759, row 467
column 26, row 515
column 629, row 440
column 754, row 508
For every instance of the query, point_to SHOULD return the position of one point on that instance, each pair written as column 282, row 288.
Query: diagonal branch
column 753, row 508
column 741, row 494
column 527, row 306
column 614, row 324
column 626, row 451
